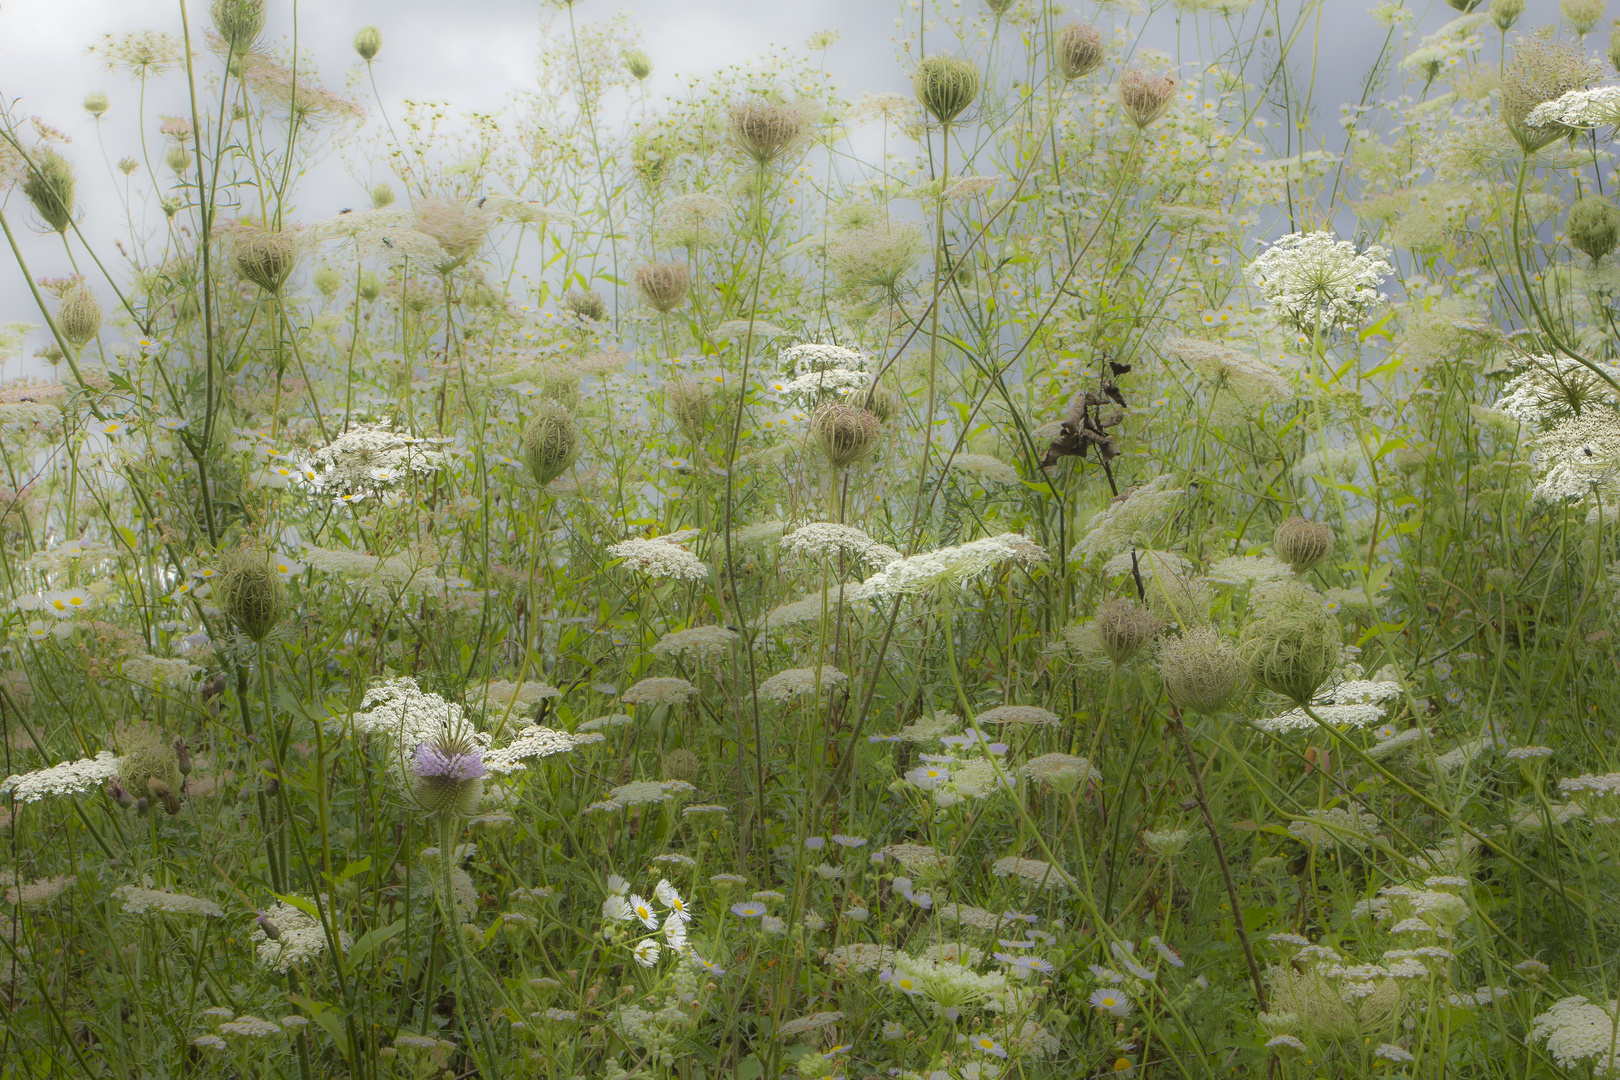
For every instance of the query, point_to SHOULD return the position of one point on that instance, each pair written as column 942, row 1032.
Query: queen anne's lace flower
column 299, row 938
column 1313, row 279
column 660, row 558
column 1131, row 519
column 138, row 901
column 68, row 778
column 1576, row 1030
column 796, row 682
column 370, row 457
column 824, row 538
column 1579, row 109
column 954, row 565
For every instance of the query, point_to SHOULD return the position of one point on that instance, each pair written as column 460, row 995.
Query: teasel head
column 767, row 130
column 1292, row 647
column 1200, row 669
column 663, row 284
column 1125, row 628
column 49, row 186
column 239, row 23
column 447, row 774
column 946, row 86
column 550, row 442
column 1302, row 544
column 250, row 591
column 1079, row 50
column 845, row 433
column 265, row 257
column 1144, row 97
column 78, row 315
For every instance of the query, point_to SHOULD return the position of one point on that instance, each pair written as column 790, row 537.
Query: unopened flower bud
column 117, row 793
column 182, row 754
column 78, row 315
column 638, row 63
column 272, row 780
column 367, row 43
column 164, row 794
column 1593, row 226
column 270, row 929
column 143, row 806
column 250, row 591
column 381, row 195
column 49, row 187
column 946, row 86
column 96, row 103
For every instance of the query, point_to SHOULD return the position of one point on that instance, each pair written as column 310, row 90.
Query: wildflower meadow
column 1096, row 566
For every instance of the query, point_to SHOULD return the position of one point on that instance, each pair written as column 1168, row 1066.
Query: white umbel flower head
column 660, row 558
column 1315, row 279
column 1578, row 109
column 1576, row 1030
column 954, row 565
column 369, row 458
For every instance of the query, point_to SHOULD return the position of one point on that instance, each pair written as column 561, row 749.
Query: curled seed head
column 766, row 130
column 1125, row 628
column 585, row 303
column 368, row 42
column 1079, row 50
column 663, row 284
column 845, row 433
column 1302, row 544
column 638, row 64
column 550, row 441
column 1292, row 648
column 250, row 591
column 96, row 103
column 1144, row 96
column 1200, row 669
column 681, row 764
column 78, row 316
column 239, row 23
column 265, row 257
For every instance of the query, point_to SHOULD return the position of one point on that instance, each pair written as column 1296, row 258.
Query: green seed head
column 367, row 42
column 1292, row 648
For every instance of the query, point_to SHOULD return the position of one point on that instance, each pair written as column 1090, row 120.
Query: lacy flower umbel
column 1316, row 281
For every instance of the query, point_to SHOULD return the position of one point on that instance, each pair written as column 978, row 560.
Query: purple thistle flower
column 442, row 763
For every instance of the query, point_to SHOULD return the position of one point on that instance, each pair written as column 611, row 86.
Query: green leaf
column 330, row 1020
column 749, row 1068
column 368, row 942
column 301, row 904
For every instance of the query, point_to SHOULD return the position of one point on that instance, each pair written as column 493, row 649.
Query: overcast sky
column 474, row 54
